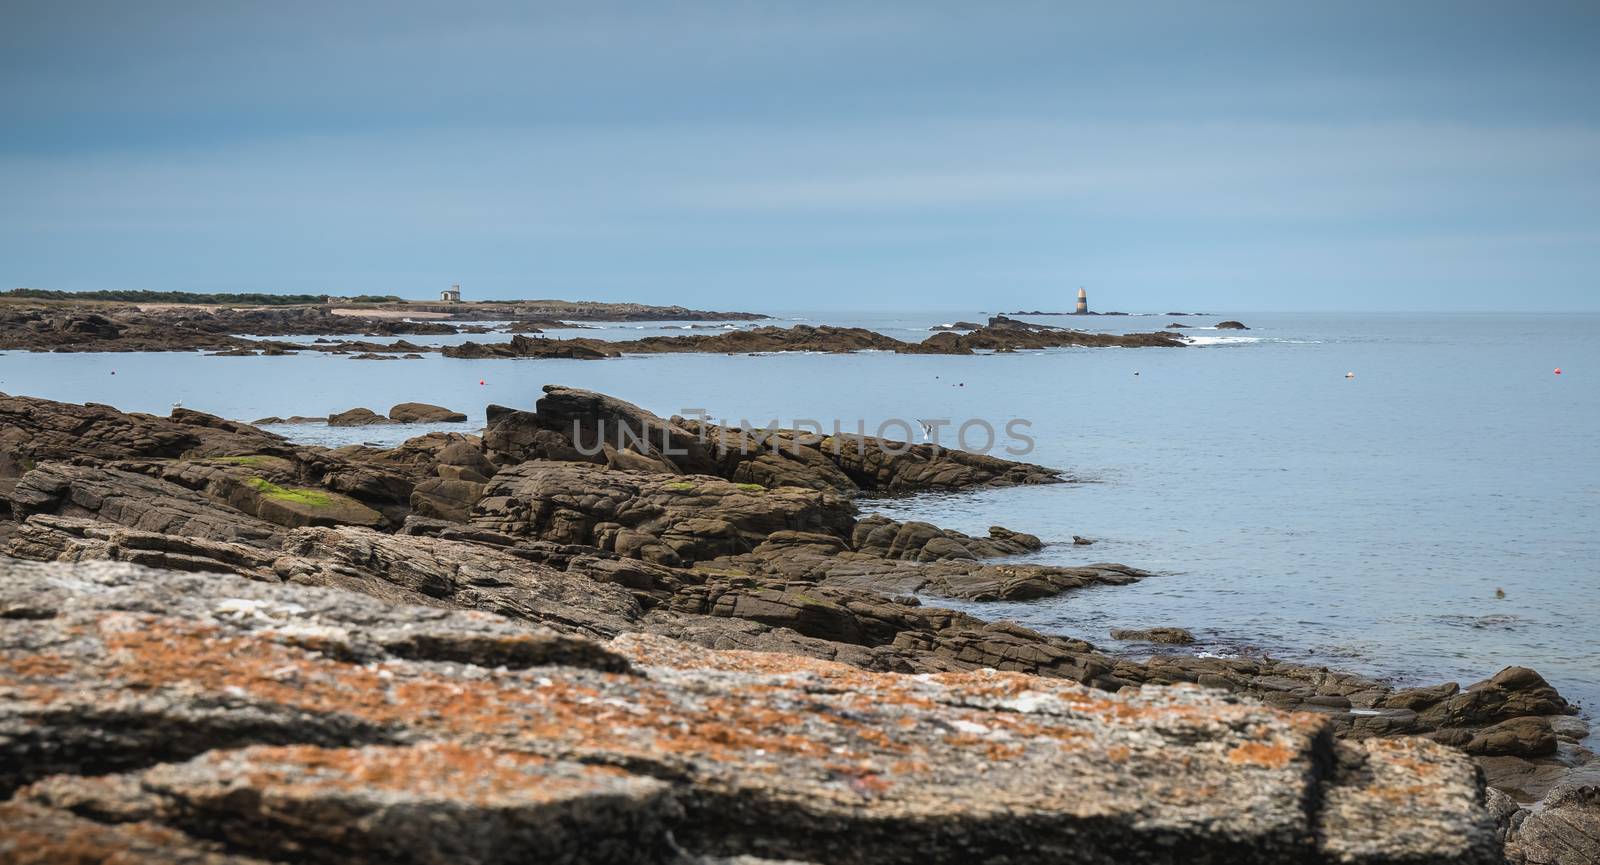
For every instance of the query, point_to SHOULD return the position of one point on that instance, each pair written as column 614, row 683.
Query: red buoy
column 480, row 381
column 1558, row 370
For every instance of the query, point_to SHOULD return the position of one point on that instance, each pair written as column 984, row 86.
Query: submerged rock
column 1169, row 636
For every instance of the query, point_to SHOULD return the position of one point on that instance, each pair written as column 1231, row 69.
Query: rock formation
column 421, row 412
column 167, row 717
column 1000, row 334
column 674, row 545
column 109, row 326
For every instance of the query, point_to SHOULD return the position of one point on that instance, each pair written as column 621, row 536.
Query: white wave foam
column 1222, row 340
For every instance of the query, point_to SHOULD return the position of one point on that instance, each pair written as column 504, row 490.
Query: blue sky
column 814, row 155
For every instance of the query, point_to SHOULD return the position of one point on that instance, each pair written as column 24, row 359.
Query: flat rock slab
column 429, row 803
column 419, row 734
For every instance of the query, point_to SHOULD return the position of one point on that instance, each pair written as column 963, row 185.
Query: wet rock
column 1231, row 325
column 1169, row 636
column 421, row 412
column 1568, row 728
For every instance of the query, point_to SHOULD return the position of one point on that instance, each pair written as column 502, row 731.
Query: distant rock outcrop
column 421, row 412
column 357, row 417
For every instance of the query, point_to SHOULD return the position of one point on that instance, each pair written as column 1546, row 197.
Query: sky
column 811, row 155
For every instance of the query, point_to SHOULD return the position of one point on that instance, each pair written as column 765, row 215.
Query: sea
column 1414, row 497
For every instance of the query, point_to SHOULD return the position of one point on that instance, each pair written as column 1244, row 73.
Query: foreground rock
column 156, row 714
column 1563, row 830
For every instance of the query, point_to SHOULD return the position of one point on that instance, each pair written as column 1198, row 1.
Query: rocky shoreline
column 685, row 641
column 31, row 325
column 238, row 332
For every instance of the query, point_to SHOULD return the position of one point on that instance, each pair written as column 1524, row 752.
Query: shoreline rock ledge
column 152, row 716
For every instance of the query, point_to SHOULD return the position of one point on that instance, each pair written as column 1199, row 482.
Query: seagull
column 927, row 429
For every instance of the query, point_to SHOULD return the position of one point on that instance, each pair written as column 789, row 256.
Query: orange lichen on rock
column 765, row 753
column 1262, row 754
column 476, row 775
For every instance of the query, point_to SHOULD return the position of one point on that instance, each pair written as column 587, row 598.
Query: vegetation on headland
column 252, row 298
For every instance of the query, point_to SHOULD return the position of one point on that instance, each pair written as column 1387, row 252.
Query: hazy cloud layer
column 810, row 155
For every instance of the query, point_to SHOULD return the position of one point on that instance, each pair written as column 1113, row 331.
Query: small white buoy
column 1349, row 375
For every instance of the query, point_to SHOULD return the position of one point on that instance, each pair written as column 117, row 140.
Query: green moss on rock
column 296, row 495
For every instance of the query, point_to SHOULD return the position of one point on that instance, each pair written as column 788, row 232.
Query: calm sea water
column 1364, row 523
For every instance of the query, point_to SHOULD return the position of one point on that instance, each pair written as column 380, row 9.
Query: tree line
column 196, row 297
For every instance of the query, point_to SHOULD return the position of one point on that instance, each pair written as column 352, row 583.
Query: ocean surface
column 1364, row 523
